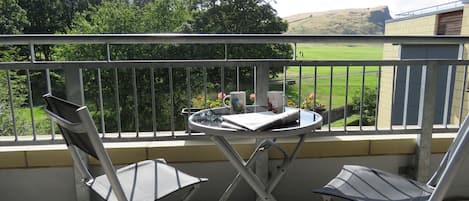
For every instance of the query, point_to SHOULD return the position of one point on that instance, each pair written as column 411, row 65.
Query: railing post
column 262, row 86
column 74, row 92
column 427, row 112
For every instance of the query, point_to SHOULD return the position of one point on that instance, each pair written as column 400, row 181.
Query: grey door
column 421, row 52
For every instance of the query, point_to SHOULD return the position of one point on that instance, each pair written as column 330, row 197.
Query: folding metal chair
column 143, row 181
column 449, row 182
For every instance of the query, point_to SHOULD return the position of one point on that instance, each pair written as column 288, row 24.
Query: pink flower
column 252, row 97
column 311, row 95
column 220, row 95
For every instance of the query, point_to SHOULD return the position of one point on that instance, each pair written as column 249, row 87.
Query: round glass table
column 210, row 122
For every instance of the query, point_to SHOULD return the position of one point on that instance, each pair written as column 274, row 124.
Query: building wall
column 304, row 175
column 417, row 26
column 459, row 80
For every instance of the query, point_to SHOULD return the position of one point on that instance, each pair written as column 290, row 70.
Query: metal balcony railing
column 138, row 99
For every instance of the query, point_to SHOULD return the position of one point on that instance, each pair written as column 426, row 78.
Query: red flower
column 220, row 95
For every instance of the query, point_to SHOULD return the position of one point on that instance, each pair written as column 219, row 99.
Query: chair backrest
column 77, row 127
column 66, row 116
column 447, row 185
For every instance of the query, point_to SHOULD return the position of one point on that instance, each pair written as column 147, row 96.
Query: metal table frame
column 219, row 136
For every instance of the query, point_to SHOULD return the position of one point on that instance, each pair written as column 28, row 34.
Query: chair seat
column 146, row 181
column 367, row 184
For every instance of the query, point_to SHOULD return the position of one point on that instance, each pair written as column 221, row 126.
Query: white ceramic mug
column 237, row 102
column 275, row 101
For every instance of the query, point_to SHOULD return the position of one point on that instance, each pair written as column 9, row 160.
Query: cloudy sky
column 289, row 7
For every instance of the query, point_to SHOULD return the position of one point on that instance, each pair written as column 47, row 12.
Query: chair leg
column 191, row 192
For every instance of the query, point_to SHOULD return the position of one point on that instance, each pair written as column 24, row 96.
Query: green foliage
column 18, row 98
column 163, row 16
column 368, row 104
column 236, row 17
column 13, row 18
column 52, row 16
column 123, row 17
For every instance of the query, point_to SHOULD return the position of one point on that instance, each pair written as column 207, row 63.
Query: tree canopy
column 148, row 16
column 14, row 19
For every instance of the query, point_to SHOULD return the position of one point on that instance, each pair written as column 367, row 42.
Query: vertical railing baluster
column 189, row 94
column 393, row 91
column 330, row 98
column 32, row 53
column 134, row 84
column 422, row 94
column 171, row 95
column 362, row 95
column 118, row 107
column 101, row 103
column 12, row 106
column 30, row 100
column 255, row 81
column 377, row 98
column 315, row 87
column 108, row 52
column 463, row 93
column 347, row 74
column 300, row 75
column 222, row 79
column 284, row 86
column 153, row 100
column 406, row 97
column 49, row 90
column 237, row 78
column 447, row 94
column 205, row 86
column 294, row 51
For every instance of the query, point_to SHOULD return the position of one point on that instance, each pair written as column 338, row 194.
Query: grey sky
column 291, row 7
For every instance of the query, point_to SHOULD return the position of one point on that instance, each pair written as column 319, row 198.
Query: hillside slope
column 347, row 21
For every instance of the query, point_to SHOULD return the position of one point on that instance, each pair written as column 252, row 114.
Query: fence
column 137, row 99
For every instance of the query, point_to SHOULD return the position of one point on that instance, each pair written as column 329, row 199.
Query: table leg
column 237, row 161
column 283, row 168
column 264, row 145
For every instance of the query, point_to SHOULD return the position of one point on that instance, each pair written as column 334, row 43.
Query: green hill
column 347, row 21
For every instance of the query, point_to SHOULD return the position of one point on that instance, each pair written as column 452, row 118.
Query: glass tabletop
column 210, row 121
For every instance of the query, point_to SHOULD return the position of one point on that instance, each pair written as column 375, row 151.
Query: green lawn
column 339, row 51
column 334, row 52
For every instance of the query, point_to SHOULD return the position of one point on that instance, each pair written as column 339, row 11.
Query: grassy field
column 334, row 52
column 339, row 52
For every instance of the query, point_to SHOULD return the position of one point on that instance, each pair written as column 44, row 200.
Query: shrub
column 369, row 105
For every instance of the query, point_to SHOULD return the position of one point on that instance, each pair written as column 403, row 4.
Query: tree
column 13, row 21
column 163, row 16
column 237, row 16
column 13, row 18
column 241, row 16
column 123, row 17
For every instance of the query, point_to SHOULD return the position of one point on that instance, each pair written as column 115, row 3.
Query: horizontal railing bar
column 181, row 135
column 51, row 39
column 234, row 62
